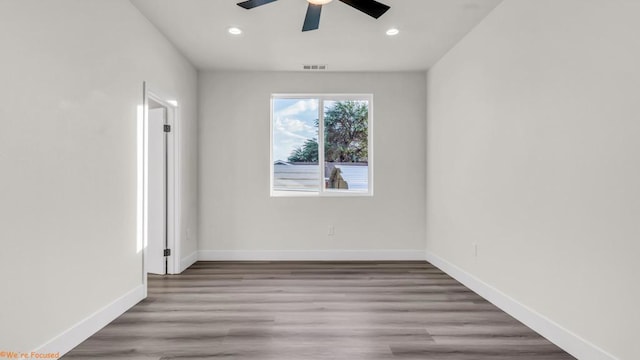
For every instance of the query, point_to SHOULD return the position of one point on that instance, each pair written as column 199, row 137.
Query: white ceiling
column 347, row 40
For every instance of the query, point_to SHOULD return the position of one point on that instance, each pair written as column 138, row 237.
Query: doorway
column 160, row 183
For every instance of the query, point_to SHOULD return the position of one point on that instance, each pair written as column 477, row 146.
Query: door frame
column 173, row 200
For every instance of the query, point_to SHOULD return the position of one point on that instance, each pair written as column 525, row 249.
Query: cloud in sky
column 293, row 124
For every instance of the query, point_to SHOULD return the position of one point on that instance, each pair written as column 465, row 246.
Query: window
column 321, row 145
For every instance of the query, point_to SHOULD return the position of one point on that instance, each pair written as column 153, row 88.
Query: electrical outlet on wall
column 475, row 249
column 331, row 231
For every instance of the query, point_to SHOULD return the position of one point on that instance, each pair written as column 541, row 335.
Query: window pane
column 295, row 145
column 346, row 145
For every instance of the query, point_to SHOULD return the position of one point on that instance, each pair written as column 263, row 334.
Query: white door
column 157, row 193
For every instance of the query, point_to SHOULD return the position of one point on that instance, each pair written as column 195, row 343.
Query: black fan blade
column 369, row 7
column 250, row 4
column 312, row 20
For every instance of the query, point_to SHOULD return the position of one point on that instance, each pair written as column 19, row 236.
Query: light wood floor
column 314, row 310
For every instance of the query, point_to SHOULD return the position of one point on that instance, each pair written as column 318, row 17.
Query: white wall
column 533, row 143
column 236, row 212
column 71, row 80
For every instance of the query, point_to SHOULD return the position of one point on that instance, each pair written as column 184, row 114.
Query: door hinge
column 167, row 252
column 167, row 128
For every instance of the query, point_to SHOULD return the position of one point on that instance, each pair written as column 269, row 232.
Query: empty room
column 318, row 179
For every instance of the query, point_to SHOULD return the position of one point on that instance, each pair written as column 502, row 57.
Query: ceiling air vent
column 314, row 67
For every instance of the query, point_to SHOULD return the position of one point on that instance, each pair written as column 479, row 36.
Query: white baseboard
column 188, row 261
column 310, row 255
column 79, row 332
column 565, row 339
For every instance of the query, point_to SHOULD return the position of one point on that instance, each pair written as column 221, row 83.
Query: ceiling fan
column 312, row 20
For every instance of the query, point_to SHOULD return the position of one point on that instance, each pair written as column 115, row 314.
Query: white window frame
column 325, row 192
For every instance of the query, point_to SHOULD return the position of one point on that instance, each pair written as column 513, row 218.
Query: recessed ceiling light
column 393, row 32
column 234, row 31
column 319, row 2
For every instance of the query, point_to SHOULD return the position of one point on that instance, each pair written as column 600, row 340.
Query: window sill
column 315, row 194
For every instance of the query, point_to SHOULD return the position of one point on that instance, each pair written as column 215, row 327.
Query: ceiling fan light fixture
column 372, row 8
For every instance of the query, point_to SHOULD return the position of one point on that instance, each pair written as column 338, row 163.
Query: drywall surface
column 532, row 154
column 71, row 82
column 237, row 212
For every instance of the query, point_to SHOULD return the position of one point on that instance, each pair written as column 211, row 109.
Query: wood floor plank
column 314, row 310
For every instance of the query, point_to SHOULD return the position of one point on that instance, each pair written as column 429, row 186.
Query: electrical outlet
column 475, row 249
column 331, row 231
